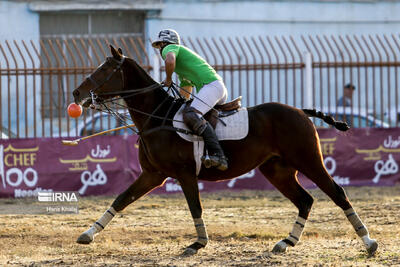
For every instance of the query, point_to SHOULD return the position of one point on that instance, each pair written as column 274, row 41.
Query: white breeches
column 210, row 95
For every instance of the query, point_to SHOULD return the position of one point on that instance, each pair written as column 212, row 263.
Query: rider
column 193, row 70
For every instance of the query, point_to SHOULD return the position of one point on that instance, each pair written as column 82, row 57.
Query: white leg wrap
column 88, row 236
column 295, row 234
column 202, row 236
column 360, row 228
column 91, row 232
column 101, row 223
column 361, row 231
column 367, row 241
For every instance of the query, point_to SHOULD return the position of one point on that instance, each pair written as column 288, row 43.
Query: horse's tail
column 340, row 125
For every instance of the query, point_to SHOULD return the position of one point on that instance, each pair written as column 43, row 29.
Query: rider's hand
column 186, row 91
column 167, row 82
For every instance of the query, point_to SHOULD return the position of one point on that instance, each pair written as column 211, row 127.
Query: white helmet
column 166, row 36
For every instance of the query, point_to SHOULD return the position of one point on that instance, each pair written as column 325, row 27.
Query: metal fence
column 37, row 76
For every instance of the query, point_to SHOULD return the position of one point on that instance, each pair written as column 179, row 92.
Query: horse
column 281, row 141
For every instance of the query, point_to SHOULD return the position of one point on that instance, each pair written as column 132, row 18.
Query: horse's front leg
column 191, row 191
column 145, row 183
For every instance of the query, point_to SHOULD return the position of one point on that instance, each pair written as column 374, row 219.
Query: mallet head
column 70, row 142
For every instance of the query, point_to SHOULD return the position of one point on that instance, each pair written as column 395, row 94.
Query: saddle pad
column 237, row 126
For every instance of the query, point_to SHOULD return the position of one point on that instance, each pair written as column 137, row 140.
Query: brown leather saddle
column 223, row 110
column 235, row 104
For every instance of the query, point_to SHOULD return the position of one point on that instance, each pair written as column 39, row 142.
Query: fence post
column 308, row 79
column 156, row 68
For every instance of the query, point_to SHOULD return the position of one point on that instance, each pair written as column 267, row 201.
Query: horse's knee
column 194, row 120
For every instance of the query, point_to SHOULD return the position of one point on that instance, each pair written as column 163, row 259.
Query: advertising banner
column 99, row 166
column 107, row 165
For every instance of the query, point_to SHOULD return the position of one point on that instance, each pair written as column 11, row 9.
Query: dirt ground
column 243, row 228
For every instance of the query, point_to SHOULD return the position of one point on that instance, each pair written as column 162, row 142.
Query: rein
column 99, row 102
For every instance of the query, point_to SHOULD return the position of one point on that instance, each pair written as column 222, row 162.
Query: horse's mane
column 140, row 70
column 161, row 93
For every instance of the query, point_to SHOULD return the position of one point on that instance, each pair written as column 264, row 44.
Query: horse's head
column 107, row 78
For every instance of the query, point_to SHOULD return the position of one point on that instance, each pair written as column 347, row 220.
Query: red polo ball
column 74, row 110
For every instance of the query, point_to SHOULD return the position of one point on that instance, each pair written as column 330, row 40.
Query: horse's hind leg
column 284, row 179
column 190, row 189
column 144, row 184
column 317, row 173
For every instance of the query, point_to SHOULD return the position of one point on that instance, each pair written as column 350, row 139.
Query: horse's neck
column 145, row 102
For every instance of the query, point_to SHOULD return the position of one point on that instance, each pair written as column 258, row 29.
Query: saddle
column 234, row 126
column 235, row 104
column 223, row 110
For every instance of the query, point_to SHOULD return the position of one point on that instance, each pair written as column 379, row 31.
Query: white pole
column 308, row 80
column 156, row 68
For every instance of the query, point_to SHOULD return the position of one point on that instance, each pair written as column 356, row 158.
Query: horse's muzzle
column 80, row 99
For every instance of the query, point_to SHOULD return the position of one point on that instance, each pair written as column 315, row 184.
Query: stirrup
column 206, row 160
column 220, row 162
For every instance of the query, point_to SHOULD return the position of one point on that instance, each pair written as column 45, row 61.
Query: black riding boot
column 215, row 157
column 200, row 126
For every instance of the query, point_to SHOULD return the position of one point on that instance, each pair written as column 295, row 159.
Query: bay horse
column 281, row 141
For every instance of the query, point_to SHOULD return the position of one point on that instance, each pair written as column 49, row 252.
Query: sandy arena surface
column 243, row 228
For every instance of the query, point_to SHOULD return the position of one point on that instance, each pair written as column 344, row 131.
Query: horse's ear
column 116, row 54
column 120, row 50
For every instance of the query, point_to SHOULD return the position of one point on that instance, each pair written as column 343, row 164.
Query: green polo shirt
column 191, row 68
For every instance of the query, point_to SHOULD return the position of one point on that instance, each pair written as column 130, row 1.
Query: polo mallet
column 76, row 141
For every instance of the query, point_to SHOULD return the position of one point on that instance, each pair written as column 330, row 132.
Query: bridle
column 98, row 103
column 126, row 93
column 118, row 67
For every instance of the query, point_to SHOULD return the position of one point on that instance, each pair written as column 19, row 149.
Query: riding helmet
column 167, row 36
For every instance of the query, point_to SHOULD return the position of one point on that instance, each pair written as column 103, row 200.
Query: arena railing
column 37, row 77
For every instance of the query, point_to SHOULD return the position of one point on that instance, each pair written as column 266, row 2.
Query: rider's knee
column 193, row 119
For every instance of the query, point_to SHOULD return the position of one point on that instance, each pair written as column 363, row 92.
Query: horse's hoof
column 84, row 239
column 189, row 252
column 192, row 249
column 280, row 247
column 373, row 246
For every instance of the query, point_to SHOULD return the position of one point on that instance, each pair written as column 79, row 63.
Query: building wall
column 281, row 18
column 18, row 23
column 215, row 19
column 253, row 18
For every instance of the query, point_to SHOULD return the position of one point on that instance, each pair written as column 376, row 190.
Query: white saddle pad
column 237, row 127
